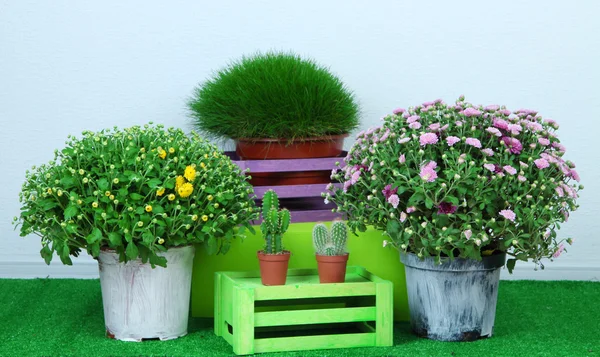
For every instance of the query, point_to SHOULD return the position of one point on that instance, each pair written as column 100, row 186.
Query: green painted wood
column 313, row 291
column 384, row 323
column 218, row 307
column 243, row 321
column 301, row 317
column 314, row 342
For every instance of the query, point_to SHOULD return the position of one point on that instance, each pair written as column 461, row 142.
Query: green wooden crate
column 303, row 314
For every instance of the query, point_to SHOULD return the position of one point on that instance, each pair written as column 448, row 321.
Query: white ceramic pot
column 145, row 303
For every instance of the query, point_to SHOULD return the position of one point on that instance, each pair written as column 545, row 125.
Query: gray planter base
column 454, row 301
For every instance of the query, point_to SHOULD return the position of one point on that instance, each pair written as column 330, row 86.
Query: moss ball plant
column 273, row 95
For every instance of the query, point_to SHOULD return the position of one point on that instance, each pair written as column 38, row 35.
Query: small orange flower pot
column 273, row 267
column 332, row 269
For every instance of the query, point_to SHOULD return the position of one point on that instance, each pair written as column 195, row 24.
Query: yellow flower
column 107, row 193
column 216, row 205
column 161, row 191
column 205, row 218
column 59, row 193
column 94, row 204
column 49, row 191
column 115, row 180
column 202, row 165
column 112, row 197
column 148, row 208
column 81, row 171
column 190, row 173
column 140, row 224
column 79, row 202
column 185, row 190
column 161, row 153
column 195, row 217
column 171, row 197
column 171, row 150
column 161, row 241
column 179, row 181
column 210, row 197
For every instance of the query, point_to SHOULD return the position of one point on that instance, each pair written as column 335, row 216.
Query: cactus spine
column 275, row 223
column 332, row 242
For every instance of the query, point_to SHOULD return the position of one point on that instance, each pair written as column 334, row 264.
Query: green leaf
column 393, row 226
column 114, row 238
column 144, row 253
column 67, row 182
column 170, row 184
column 225, row 246
column 95, row 236
column 157, row 260
column 510, row 265
column 158, row 209
column 70, row 212
column 206, row 229
column 154, row 183
column 211, row 245
column 95, row 249
column 135, row 196
column 46, row 253
column 132, row 251
column 453, row 200
column 251, row 229
column 428, row 202
column 415, row 198
column 148, row 237
column 103, row 184
column 140, row 210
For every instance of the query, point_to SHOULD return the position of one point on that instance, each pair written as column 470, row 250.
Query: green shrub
column 273, row 95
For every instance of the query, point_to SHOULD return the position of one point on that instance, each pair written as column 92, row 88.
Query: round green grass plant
column 273, row 95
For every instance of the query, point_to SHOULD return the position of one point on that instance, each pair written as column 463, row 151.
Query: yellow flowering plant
column 138, row 191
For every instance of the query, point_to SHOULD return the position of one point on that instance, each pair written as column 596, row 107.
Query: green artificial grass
column 58, row 317
column 273, row 95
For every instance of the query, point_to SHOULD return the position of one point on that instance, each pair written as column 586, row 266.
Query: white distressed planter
column 454, row 301
column 143, row 303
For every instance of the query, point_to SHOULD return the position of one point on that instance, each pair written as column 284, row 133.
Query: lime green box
column 366, row 251
column 303, row 314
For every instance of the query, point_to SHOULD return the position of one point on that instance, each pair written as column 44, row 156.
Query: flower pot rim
column 106, row 249
column 332, row 258
column 294, row 140
column 490, row 262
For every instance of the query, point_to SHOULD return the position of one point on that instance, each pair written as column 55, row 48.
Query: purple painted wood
column 311, row 216
column 294, row 191
column 288, row 165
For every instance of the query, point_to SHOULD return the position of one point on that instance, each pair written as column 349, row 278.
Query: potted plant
column 137, row 199
column 273, row 259
column 331, row 254
column 456, row 188
column 276, row 106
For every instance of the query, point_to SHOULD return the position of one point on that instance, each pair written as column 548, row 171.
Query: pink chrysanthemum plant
column 460, row 181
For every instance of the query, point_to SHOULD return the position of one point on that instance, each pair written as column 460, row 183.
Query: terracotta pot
column 270, row 149
column 273, row 267
column 332, row 269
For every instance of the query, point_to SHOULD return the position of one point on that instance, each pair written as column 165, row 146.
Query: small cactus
column 332, row 242
column 275, row 223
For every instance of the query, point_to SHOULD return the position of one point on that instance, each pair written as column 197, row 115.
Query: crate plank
column 314, row 342
column 313, row 291
column 302, row 317
column 294, row 191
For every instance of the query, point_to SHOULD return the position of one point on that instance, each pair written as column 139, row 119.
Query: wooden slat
column 385, row 314
column 313, row 291
column 288, row 165
column 243, row 321
column 294, row 191
column 320, row 316
column 314, row 342
column 219, row 322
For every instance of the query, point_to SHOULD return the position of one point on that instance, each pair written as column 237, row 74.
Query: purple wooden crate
column 287, row 165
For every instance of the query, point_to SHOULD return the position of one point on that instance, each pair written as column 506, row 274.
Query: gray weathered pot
column 454, row 301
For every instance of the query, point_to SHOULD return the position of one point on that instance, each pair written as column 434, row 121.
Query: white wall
column 66, row 66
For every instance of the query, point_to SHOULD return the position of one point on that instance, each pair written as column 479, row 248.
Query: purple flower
column 385, row 135
column 394, row 200
column 411, row 209
column 488, row 152
column 505, row 112
column 434, row 126
column 500, row 123
column 428, row 172
column 413, row 118
column 559, row 191
column 560, row 147
column 514, row 129
column 446, row 208
column 508, row 214
column 526, row 112
column 490, row 167
column 388, row 191
column 428, row 138
column 403, row 140
column 446, row 126
column 471, row 112
column 574, row 175
column 427, row 104
column 494, row 131
column 510, row 170
column 544, row 141
column 521, row 178
column 415, row 125
column 559, row 251
column 458, row 123
column 513, row 144
column 399, row 110
column 541, row 163
column 492, row 108
column 451, row 140
column 355, row 177
column 535, row 127
column 473, row 142
column 402, row 159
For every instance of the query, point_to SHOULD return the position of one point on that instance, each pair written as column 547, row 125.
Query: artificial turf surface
column 63, row 317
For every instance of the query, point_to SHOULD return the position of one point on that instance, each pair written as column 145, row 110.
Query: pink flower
column 500, row 123
column 394, row 200
column 413, row 118
column 505, row 112
column 399, row 110
column 461, row 158
column 534, row 126
column 403, row 140
column 385, row 136
column 521, row 178
column 508, row 214
column 544, row 141
column 451, row 140
column 514, row 145
column 403, row 217
column 355, row 177
column 434, row 126
column 559, row 146
column 428, row 138
column 514, row 129
column 541, row 163
column 492, row 108
column 428, row 172
column 468, row 234
column 402, row 159
column 559, row 191
column 494, row 131
column 347, row 185
column 415, row 125
column 490, row 167
column 411, row 209
column 427, row 104
column 510, row 170
column 575, row 175
column 458, row 123
column 446, row 126
column 488, row 152
column 559, row 251
column 473, row 142
column 388, row 191
column 523, row 165
column 471, row 112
